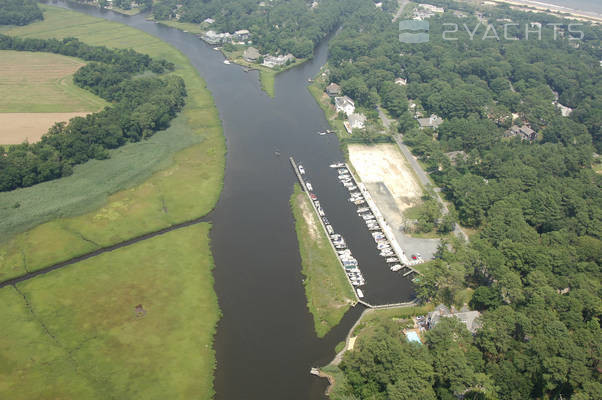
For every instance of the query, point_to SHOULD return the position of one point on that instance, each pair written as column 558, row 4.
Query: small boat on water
column 321, row 133
column 396, row 267
column 360, row 294
column 352, row 187
column 362, row 210
column 309, row 186
column 321, row 211
column 313, row 196
column 329, row 229
column 360, row 201
column 392, row 259
column 343, row 171
column 301, row 169
column 337, row 165
column 227, row 62
column 383, row 246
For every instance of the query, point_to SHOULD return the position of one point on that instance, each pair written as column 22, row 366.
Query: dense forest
column 533, row 265
column 19, row 12
column 278, row 26
column 143, row 102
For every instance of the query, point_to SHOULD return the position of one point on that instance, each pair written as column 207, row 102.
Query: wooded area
column 19, row 12
column 536, row 205
column 141, row 105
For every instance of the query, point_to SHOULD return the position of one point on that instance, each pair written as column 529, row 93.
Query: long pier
column 302, row 182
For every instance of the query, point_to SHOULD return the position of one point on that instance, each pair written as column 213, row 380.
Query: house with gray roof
column 467, row 317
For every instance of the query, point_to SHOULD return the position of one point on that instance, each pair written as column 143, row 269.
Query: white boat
column 309, row 186
column 352, row 187
column 329, row 229
column 344, row 176
column 321, row 133
column 360, row 201
column 301, row 169
column 386, row 253
column 392, row 259
column 360, row 294
column 337, row 165
column 343, row 171
column 321, row 211
column 383, row 246
column 362, row 210
column 396, row 267
column 227, row 62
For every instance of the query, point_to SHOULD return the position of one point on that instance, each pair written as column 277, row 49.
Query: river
column 265, row 342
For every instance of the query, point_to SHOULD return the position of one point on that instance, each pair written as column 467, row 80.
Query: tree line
column 277, row 27
column 19, row 12
column 141, row 104
column 533, row 265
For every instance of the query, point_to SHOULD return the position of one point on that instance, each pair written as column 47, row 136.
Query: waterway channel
column 265, row 342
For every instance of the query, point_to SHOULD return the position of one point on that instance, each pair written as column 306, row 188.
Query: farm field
column 35, row 82
column 15, row 128
column 135, row 323
column 328, row 292
column 173, row 177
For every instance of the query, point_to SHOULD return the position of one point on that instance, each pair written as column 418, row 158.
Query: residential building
column 431, row 122
column 469, row 318
column 401, row 81
column 523, row 132
column 251, row 54
column 212, row 37
column 241, row 35
column 272, row 61
column 209, row 21
column 344, row 104
column 357, row 121
column 333, row 89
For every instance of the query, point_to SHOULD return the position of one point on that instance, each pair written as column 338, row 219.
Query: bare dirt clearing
column 384, row 163
column 15, row 128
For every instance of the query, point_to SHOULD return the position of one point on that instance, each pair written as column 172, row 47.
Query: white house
column 344, row 104
column 241, row 35
column 401, row 81
column 271, row 61
column 212, row 37
column 431, row 122
column 208, row 21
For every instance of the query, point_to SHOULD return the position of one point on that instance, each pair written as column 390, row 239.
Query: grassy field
column 42, row 83
column 328, row 292
column 173, row 177
column 75, row 333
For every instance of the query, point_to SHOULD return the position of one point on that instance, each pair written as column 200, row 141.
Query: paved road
column 420, row 173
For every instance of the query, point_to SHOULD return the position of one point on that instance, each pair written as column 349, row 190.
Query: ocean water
column 581, row 5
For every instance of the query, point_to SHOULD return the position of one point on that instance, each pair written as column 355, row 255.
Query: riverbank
column 367, row 323
column 137, row 322
column 328, row 292
column 267, row 76
column 98, row 330
column 173, row 177
column 560, row 11
column 316, row 88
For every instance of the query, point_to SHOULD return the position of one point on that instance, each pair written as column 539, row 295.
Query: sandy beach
column 554, row 9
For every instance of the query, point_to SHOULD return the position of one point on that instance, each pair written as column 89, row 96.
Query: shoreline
column 560, row 11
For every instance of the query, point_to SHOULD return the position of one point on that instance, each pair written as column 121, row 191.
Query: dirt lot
column 385, row 163
column 18, row 127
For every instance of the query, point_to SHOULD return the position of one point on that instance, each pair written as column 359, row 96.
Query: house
column 524, row 132
column 272, row 61
column 431, row 8
column 241, row 35
column 314, row 5
column 333, row 89
column 401, row 81
column 344, row 104
column 469, row 318
column 208, row 21
column 431, row 122
column 357, row 121
column 212, row 37
column 251, row 54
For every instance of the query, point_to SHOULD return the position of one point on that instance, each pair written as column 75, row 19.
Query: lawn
column 75, row 333
column 173, row 177
column 42, row 83
column 316, row 89
column 327, row 289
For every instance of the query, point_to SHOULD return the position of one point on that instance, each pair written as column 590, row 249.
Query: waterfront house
column 277, row 61
column 401, row 81
column 212, row 37
column 251, row 54
column 431, row 122
column 344, row 104
column 333, row 89
column 241, row 35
